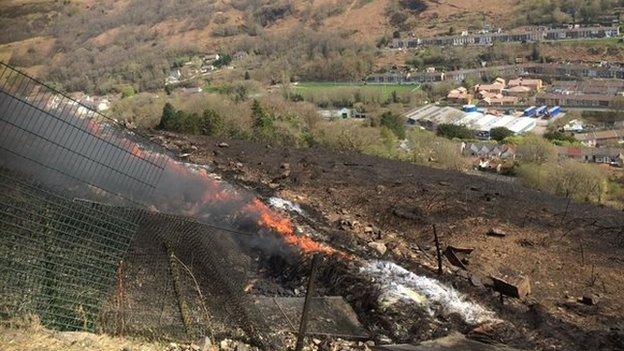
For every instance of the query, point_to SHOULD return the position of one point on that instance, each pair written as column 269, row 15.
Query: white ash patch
column 398, row 284
column 286, row 205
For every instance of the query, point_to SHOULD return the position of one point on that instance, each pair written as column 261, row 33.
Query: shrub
column 571, row 179
column 394, row 122
column 211, row 123
column 428, row 149
column 500, row 133
column 168, row 117
column 535, row 149
column 452, row 131
column 559, row 137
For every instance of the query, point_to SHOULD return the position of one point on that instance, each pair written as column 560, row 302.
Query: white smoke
column 398, row 284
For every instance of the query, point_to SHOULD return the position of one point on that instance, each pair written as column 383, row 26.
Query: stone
column 589, row 299
column 497, row 232
column 223, row 144
column 241, row 347
column 475, row 280
column 378, row 246
column 517, row 286
column 285, row 166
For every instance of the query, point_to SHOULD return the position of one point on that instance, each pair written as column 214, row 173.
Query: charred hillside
column 379, row 208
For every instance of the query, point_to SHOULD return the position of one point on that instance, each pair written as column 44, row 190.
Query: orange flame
column 272, row 220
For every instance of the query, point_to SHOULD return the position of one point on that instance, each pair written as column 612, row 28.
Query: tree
column 500, row 133
column 211, row 123
column 571, row 179
column 452, row 131
column 535, row 149
column 262, row 121
column 393, row 122
column 535, row 52
column 168, row 115
column 223, row 60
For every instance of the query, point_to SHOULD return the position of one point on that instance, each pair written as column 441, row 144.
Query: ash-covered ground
column 378, row 209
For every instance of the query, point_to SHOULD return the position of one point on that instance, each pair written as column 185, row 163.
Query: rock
column 512, row 286
column 316, row 341
column 445, row 183
column 223, row 144
column 475, row 280
column 285, row 166
column 378, row 246
column 368, row 229
column 497, row 232
column 589, row 299
column 194, row 347
column 241, row 347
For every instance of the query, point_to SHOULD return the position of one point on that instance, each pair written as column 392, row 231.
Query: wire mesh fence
column 58, row 258
column 78, row 247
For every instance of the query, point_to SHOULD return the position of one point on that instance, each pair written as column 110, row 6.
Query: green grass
column 385, row 90
column 589, row 42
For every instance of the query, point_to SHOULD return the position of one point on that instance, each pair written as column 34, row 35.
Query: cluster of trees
column 305, row 54
column 564, row 11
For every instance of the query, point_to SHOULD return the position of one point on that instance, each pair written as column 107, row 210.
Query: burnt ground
column 567, row 250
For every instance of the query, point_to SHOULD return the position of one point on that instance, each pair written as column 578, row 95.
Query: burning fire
column 271, row 219
column 214, row 194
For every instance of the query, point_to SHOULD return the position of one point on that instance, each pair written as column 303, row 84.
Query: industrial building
column 431, row 116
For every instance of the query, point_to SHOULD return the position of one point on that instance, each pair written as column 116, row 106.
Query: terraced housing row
column 562, row 71
column 541, row 34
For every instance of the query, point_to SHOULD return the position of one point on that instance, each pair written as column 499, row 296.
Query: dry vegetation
column 96, row 46
column 29, row 335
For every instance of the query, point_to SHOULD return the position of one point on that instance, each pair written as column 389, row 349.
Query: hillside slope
column 129, row 41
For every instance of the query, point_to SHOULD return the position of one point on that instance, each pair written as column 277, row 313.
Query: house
column 533, row 84
column 600, row 138
column 498, row 100
column 494, row 88
column 519, row 91
column 345, row 113
column 486, row 150
column 575, row 125
column 460, row 96
column 610, row 156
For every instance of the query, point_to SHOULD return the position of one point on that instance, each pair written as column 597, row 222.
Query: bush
column 211, row 123
column 452, row 131
column 262, row 122
column 559, row 137
column 428, row 149
column 167, row 121
column 535, row 149
column 394, row 122
column 571, row 179
column 500, row 133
